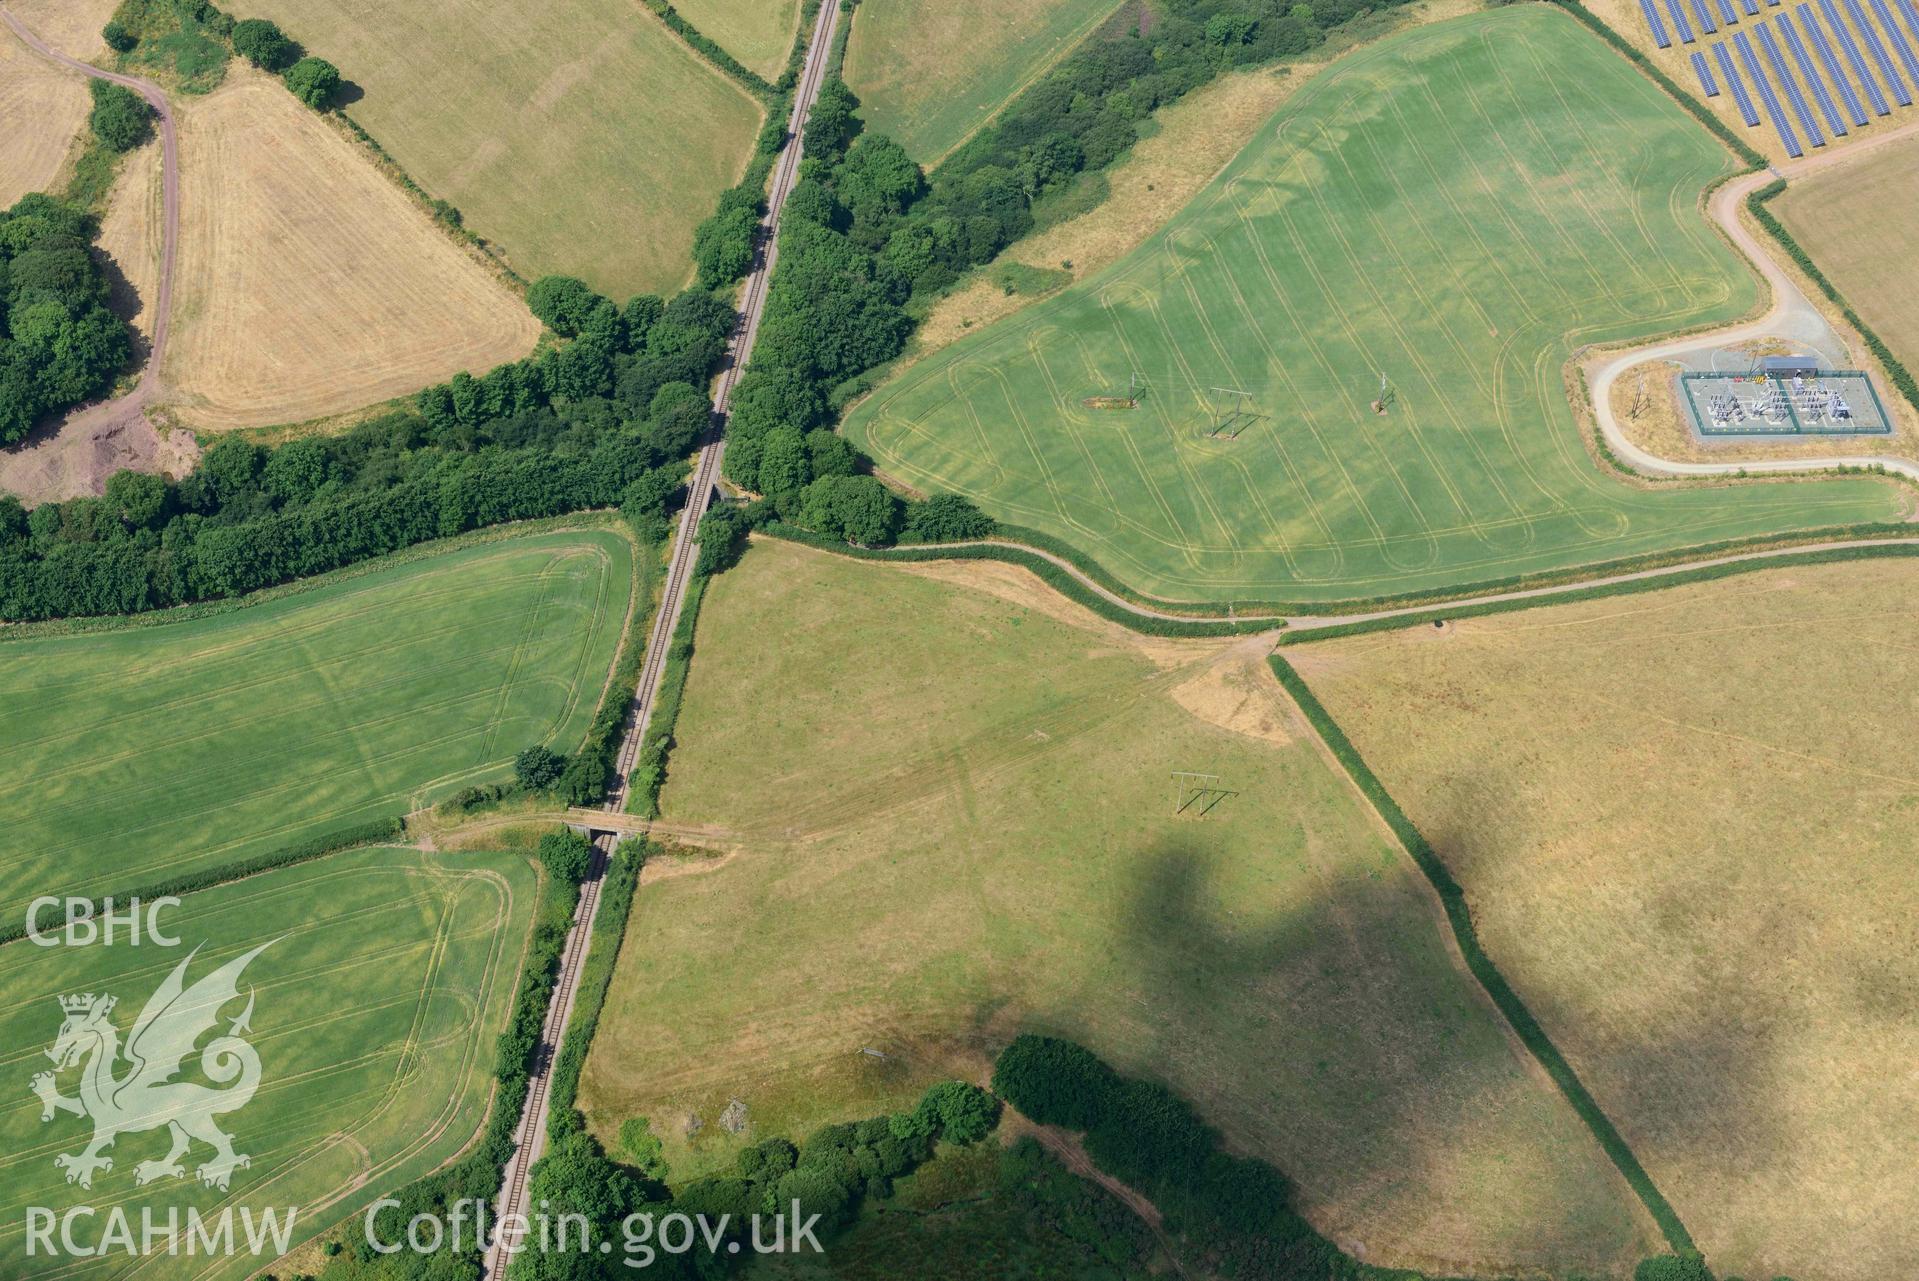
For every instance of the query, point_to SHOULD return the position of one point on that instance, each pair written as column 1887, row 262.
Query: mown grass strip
column 1055, row 577
column 1626, row 587
column 1453, row 898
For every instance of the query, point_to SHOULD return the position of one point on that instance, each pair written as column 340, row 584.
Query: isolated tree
column 262, row 43
column 120, row 118
column 118, row 37
column 313, row 81
column 566, row 854
column 538, row 768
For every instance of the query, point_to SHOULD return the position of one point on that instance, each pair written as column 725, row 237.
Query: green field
column 1456, row 207
column 582, row 136
column 757, row 32
column 949, row 815
column 386, row 976
column 146, row 752
column 930, row 73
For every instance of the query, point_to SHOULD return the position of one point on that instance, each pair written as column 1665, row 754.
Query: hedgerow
column 1459, row 916
column 621, row 878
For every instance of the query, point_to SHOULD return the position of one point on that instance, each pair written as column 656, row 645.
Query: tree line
column 604, row 420
column 312, row 80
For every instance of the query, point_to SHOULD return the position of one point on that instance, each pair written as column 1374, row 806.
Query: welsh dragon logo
column 130, row 1089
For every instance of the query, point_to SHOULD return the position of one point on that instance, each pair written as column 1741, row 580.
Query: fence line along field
column 757, row 32
column 929, row 73
column 1453, row 209
column 582, row 136
column 948, row 799
column 1851, row 217
column 309, row 284
column 1703, row 889
column 384, row 978
column 147, row 752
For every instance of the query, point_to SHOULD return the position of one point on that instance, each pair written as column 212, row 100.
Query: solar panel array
column 1656, row 24
column 1704, row 73
column 1876, row 51
column 1730, row 75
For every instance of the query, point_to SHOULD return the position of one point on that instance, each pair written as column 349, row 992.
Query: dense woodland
column 606, row 420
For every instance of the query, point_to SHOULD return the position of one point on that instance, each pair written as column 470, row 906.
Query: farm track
column 530, row 1137
column 114, row 415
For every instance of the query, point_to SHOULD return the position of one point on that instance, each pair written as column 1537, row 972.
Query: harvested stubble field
column 1684, row 823
column 42, row 110
column 581, row 136
column 945, row 800
column 143, row 753
column 757, row 32
column 1447, row 206
column 309, row 284
column 386, row 977
column 930, row 73
column 1855, row 219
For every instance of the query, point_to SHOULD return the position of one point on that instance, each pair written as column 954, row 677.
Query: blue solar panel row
column 1814, row 81
column 1705, row 16
column 1880, row 58
column 1874, row 94
column 1776, row 58
column 1899, row 45
column 1730, row 75
column 1912, row 15
column 1809, row 23
column 1680, row 22
column 1752, row 6
column 1774, row 111
column 1704, row 73
column 1727, row 14
column 1657, row 24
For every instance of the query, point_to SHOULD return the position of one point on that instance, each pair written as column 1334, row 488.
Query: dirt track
column 103, row 430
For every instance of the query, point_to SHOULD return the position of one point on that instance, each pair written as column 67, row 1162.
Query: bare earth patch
column 308, row 283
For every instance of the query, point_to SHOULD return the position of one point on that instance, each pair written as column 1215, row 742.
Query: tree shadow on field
column 346, row 94
column 125, row 301
column 1337, row 1037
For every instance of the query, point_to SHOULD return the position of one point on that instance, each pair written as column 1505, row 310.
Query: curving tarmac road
column 135, row 401
column 1724, row 210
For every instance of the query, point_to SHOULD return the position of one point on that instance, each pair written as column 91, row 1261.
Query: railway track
column 530, row 1137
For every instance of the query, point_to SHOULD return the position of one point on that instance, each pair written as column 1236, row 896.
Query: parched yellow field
column 581, row 136
column 71, row 26
column 945, row 804
column 130, row 237
column 930, row 72
column 757, row 32
column 307, row 282
column 1685, row 822
column 1856, row 220
column 41, row 109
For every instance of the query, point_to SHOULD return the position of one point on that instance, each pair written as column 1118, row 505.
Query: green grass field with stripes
column 1457, row 208
column 144, row 753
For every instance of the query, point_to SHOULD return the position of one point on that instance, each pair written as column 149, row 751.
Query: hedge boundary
column 1598, row 591
column 350, row 836
column 622, row 878
column 649, row 766
column 1459, row 916
column 1055, row 577
column 707, row 48
column 1895, row 368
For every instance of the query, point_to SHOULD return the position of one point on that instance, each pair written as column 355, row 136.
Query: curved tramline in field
column 147, row 753
column 378, row 982
column 1454, row 208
